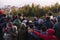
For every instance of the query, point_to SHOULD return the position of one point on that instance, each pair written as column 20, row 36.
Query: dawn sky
column 25, row 2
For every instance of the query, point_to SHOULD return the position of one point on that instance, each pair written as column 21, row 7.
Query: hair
column 14, row 24
column 16, row 17
column 23, row 26
column 10, row 24
column 47, row 18
column 43, row 28
column 4, row 15
column 19, row 14
column 32, row 26
column 49, row 13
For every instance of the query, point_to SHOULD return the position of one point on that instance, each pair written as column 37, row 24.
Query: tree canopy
column 37, row 10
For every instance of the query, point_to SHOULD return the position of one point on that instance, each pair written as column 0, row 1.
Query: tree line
column 37, row 10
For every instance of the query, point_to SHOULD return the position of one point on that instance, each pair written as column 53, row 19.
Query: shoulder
column 54, row 37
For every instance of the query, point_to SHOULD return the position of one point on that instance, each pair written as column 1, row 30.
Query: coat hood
column 50, row 31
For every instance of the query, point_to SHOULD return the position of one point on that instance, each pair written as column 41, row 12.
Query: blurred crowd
column 18, row 27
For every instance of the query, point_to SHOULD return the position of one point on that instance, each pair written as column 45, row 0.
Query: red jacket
column 48, row 36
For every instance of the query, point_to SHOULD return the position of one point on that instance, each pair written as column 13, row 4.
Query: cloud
column 25, row 2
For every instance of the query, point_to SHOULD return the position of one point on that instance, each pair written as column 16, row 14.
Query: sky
column 20, row 3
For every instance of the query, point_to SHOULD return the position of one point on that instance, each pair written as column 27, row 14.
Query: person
column 40, row 23
column 15, row 32
column 48, row 23
column 1, row 23
column 43, row 30
column 23, row 32
column 35, row 22
column 50, row 15
column 48, row 36
column 31, row 36
column 17, row 22
column 7, row 32
column 55, row 19
column 24, row 20
column 10, row 32
column 57, row 28
column 8, row 18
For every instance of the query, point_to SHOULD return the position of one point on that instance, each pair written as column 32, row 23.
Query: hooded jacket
column 57, row 30
column 48, row 36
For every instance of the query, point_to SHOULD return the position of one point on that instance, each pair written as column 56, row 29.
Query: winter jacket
column 48, row 24
column 17, row 22
column 48, row 36
column 57, row 30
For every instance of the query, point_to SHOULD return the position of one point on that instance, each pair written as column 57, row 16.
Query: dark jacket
column 57, row 30
column 48, row 24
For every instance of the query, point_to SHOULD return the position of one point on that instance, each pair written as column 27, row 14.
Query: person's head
column 30, row 22
column 14, row 24
column 23, row 26
column 50, row 31
column 50, row 13
column 40, row 21
column 32, row 26
column 43, row 29
column 58, row 18
column 16, row 17
column 48, row 18
column 19, row 14
column 10, row 24
column 3, row 15
column 8, row 17
column 35, row 18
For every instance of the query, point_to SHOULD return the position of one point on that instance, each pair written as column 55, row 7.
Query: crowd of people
column 17, row 27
